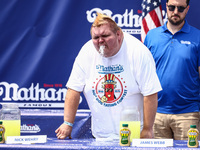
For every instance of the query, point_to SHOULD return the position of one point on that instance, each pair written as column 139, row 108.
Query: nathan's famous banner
column 40, row 39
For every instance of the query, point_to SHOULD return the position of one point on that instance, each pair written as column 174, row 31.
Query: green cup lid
column 124, row 125
column 193, row 126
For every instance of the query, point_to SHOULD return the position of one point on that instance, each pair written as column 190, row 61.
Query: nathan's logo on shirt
column 113, row 68
column 109, row 90
column 185, row 42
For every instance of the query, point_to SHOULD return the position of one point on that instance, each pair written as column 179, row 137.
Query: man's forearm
column 150, row 108
column 71, row 105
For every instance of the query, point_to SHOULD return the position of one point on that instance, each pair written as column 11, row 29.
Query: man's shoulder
column 129, row 38
column 156, row 30
column 154, row 34
column 194, row 29
column 87, row 50
column 88, row 46
column 193, row 34
column 88, row 43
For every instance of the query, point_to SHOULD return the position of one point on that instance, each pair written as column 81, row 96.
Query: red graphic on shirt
column 109, row 89
column 109, row 85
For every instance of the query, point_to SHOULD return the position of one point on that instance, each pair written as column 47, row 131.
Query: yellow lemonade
column 12, row 127
column 134, row 126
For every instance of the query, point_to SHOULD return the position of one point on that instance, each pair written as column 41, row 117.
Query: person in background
column 113, row 70
column 175, row 47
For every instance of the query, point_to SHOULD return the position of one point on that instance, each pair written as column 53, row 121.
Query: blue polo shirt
column 177, row 59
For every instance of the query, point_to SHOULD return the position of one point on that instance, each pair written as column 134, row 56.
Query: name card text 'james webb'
column 152, row 142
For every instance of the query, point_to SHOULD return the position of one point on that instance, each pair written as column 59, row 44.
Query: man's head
column 177, row 10
column 102, row 19
column 106, row 34
column 187, row 1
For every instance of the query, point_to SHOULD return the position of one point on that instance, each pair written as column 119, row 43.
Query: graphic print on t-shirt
column 109, row 89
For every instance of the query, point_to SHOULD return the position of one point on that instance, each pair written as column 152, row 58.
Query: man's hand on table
column 63, row 131
column 147, row 134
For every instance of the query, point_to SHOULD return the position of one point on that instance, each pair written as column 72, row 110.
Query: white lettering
column 127, row 20
column 30, row 129
column 12, row 91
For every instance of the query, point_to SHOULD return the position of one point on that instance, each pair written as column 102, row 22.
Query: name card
column 26, row 139
column 152, row 142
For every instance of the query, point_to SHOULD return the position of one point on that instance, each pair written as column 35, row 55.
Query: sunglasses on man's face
column 172, row 8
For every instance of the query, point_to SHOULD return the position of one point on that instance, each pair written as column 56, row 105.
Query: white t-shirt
column 110, row 84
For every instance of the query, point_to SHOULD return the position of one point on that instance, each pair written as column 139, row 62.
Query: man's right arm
column 70, row 109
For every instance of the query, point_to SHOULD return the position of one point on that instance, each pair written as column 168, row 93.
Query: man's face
column 176, row 17
column 104, row 36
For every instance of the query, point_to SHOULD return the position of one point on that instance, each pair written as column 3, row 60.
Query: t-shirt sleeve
column 76, row 80
column 146, row 75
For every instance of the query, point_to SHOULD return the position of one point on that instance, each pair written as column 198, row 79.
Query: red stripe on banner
column 161, row 10
column 145, row 26
column 155, row 18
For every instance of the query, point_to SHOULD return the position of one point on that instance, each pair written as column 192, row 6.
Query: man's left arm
column 150, row 108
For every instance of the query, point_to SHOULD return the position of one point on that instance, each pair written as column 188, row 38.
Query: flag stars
column 143, row 6
column 148, row 5
column 155, row 3
column 152, row 20
column 148, row 8
column 148, row 1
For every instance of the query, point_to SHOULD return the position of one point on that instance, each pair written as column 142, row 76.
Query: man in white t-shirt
column 113, row 70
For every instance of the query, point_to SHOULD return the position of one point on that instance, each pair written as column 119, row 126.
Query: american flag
column 151, row 16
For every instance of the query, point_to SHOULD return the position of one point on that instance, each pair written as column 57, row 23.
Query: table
column 87, row 144
column 48, row 120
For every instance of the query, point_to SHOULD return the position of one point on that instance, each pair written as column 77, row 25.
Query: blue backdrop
column 39, row 40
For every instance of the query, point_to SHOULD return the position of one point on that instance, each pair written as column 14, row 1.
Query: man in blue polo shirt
column 176, row 51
